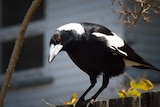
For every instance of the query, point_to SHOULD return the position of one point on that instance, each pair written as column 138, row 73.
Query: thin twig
column 136, row 10
column 142, row 10
column 16, row 50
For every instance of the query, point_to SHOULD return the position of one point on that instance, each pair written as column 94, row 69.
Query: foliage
column 73, row 100
column 144, row 85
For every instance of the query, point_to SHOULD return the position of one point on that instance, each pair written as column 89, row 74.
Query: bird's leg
column 81, row 102
column 104, row 85
column 93, row 82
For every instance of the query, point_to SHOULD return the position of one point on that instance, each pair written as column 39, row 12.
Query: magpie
column 95, row 50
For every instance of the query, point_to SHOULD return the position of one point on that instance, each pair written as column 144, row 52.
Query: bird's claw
column 91, row 101
column 84, row 103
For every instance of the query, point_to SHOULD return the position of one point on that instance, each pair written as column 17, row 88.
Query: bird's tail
column 154, row 68
column 147, row 67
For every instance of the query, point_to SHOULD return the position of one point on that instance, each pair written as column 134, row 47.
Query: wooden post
column 124, row 102
column 98, row 104
column 150, row 99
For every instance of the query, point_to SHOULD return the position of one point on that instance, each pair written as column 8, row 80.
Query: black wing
column 117, row 45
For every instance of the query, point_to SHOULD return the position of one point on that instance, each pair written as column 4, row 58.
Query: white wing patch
column 113, row 41
column 73, row 26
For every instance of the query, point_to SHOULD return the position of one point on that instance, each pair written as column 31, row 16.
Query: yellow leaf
column 132, row 93
column 122, row 93
column 68, row 103
column 73, row 100
column 148, row 83
column 142, row 85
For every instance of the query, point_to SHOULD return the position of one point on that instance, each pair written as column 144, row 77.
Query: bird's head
column 62, row 37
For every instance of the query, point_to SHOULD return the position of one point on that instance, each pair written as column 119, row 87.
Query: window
column 31, row 54
column 13, row 11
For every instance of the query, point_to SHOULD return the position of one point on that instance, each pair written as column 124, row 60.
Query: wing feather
column 120, row 47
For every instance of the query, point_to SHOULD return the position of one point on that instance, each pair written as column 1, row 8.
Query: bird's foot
column 84, row 103
column 91, row 100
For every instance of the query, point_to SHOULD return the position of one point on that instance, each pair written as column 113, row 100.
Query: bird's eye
column 58, row 39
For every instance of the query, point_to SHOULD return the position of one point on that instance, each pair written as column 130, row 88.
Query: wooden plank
column 124, row 102
column 98, row 104
column 151, row 99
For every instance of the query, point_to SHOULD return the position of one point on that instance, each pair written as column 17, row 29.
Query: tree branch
column 16, row 50
column 135, row 10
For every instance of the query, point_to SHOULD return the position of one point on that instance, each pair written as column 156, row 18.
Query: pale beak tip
column 54, row 50
column 50, row 59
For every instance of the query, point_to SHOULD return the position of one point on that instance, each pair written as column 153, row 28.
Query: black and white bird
column 95, row 50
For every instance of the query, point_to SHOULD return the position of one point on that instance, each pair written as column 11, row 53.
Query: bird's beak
column 53, row 51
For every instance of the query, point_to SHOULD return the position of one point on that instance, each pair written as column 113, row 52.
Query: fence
column 149, row 99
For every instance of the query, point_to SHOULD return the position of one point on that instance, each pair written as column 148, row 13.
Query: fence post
column 124, row 102
column 150, row 99
column 99, row 104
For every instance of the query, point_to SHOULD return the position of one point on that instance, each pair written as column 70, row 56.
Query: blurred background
column 34, row 78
